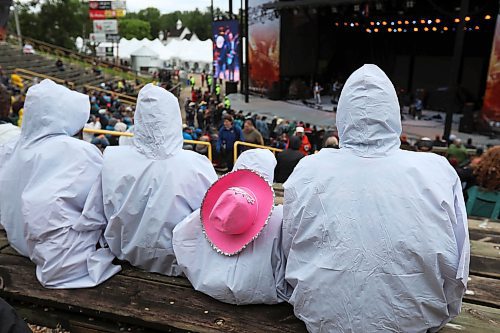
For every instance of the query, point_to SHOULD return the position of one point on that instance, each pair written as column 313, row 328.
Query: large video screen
column 263, row 47
column 4, row 17
column 491, row 105
column 226, row 37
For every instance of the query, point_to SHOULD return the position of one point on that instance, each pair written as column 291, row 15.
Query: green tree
column 58, row 22
column 151, row 15
column 130, row 28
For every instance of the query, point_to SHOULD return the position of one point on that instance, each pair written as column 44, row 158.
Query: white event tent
column 183, row 54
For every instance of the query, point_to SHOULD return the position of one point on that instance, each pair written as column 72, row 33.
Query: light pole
column 18, row 26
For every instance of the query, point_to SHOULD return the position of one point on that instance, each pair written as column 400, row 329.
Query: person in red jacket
column 305, row 147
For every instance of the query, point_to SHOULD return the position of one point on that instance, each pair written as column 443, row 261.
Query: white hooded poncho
column 255, row 275
column 376, row 237
column 46, row 191
column 152, row 185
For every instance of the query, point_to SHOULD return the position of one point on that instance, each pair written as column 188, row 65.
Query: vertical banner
column 226, row 46
column 491, row 104
column 263, row 47
column 4, row 17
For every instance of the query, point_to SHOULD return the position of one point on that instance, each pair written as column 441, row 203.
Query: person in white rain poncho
column 239, row 269
column 376, row 237
column 47, row 183
column 152, row 185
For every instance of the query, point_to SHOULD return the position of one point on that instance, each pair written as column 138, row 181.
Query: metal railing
column 30, row 75
column 127, row 99
column 252, row 145
column 128, row 134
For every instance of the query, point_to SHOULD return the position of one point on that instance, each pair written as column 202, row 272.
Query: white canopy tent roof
column 191, row 51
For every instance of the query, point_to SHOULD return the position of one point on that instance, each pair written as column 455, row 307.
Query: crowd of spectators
column 209, row 117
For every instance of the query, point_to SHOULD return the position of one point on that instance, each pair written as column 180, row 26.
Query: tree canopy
column 59, row 22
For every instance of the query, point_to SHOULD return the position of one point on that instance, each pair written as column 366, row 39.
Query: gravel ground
column 41, row 329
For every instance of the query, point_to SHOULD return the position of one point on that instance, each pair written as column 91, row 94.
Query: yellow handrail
column 252, row 145
column 30, row 75
column 114, row 133
column 125, row 98
column 128, row 134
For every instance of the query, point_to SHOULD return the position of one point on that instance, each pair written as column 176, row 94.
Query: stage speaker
column 274, row 92
column 466, row 125
column 231, row 87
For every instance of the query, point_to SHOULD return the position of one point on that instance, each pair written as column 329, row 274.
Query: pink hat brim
column 233, row 244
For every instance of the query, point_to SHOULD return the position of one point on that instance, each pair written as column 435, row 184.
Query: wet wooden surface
column 138, row 301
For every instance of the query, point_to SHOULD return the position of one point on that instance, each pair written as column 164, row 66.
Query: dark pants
column 10, row 322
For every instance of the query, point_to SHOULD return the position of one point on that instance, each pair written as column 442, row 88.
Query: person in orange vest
column 305, row 147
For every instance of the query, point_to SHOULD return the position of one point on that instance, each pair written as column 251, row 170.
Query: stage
column 297, row 110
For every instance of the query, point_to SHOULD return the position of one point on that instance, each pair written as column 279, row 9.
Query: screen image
column 491, row 105
column 4, row 17
column 226, row 45
column 263, row 47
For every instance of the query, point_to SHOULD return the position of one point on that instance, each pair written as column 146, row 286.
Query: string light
column 384, row 23
column 429, row 21
column 487, row 17
column 368, row 30
column 390, row 29
column 376, row 29
column 445, row 28
column 426, row 29
column 476, row 27
column 372, row 23
column 399, row 22
column 415, row 29
column 407, row 22
column 467, row 18
column 399, row 29
column 457, row 20
column 434, row 29
column 438, row 21
column 422, row 21
column 414, row 22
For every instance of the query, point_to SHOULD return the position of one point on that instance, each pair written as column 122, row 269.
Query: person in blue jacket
column 228, row 135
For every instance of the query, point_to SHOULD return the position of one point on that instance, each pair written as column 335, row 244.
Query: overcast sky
column 167, row 6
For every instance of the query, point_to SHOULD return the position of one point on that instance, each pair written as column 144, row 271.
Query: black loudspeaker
column 231, row 87
column 466, row 125
column 274, row 93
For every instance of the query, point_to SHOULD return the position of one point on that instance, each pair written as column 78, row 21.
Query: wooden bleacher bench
column 138, row 301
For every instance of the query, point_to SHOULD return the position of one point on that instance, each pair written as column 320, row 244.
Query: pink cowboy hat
column 235, row 210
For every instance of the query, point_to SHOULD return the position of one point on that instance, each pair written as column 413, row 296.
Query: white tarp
column 152, row 185
column 47, row 190
column 255, row 275
column 376, row 237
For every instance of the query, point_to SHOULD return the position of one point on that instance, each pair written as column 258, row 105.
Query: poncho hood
column 158, row 123
column 260, row 160
column 52, row 109
column 368, row 117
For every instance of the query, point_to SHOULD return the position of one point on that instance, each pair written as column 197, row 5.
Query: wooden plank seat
column 150, row 302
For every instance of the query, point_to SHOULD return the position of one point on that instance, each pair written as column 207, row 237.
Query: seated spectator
column 424, row 145
column 100, row 142
column 469, row 144
column 250, row 133
column 287, row 160
column 28, row 49
column 202, row 149
column 332, row 142
column 487, row 170
column 93, row 123
column 60, row 65
column 457, row 151
column 396, row 261
column 16, row 80
column 439, row 143
column 7, row 130
column 404, row 143
column 160, row 185
column 305, row 146
column 52, row 213
column 229, row 248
